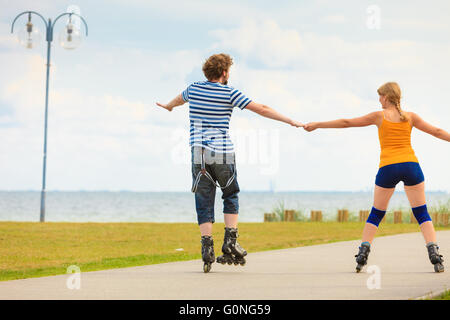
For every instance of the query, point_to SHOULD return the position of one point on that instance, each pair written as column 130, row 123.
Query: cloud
column 94, row 134
column 106, row 133
column 328, row 78
column 334, row 19
column 264, row 41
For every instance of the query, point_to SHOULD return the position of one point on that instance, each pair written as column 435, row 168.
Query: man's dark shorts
column 221, row 167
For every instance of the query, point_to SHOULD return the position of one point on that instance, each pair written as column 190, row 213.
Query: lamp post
column 69, row 38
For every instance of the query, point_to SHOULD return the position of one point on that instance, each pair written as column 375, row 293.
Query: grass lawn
column 30, row 249
column 444, row 296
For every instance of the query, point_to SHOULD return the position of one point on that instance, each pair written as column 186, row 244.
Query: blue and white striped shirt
column 210, row 108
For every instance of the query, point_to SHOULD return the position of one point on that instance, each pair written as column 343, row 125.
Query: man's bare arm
column 270, row 113
column 177, row 101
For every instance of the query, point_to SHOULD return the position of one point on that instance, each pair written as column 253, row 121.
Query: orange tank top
column 395, row 142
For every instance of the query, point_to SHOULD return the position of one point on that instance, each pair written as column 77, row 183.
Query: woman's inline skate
column 435, row 257
column 362, row 256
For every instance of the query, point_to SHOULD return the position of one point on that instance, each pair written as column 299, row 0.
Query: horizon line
column 182, row 191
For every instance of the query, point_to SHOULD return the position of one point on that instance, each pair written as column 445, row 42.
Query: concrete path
column 314, row 272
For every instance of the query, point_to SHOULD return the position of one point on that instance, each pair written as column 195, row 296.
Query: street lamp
column 29, row 36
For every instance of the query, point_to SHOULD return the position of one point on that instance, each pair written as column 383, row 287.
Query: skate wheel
column 206, row 268
column 229, row 263
column 438, row 267
column 242, row 263
column 358, row 268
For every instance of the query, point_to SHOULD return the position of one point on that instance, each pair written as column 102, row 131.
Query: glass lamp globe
column 29, row 36
column 70, row 37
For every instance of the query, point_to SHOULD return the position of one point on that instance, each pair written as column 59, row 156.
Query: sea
column 126, row 206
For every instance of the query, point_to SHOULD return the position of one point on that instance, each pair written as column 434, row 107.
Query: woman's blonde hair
column 392, row 92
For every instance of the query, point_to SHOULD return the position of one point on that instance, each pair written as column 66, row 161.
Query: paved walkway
column 314, row 272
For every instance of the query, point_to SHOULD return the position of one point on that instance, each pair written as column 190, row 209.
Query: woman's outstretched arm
column 364, row 121
column 424, row 126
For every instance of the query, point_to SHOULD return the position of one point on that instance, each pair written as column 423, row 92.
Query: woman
column 397, row 163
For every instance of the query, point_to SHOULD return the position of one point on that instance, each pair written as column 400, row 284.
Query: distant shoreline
column 242, row 191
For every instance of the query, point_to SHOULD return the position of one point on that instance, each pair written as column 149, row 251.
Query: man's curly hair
column 215, row 65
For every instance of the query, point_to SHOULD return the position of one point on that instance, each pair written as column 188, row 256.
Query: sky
column 310, row 60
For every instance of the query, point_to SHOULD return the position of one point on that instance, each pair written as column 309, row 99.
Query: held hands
column 311, row 126
column 165, row 106
column 296, row 124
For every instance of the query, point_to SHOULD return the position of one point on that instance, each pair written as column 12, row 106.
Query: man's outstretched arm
column 177, row 101
column 270, row 113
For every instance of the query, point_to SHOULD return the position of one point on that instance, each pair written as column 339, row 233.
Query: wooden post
column 412, row 218
column 363, row 215
column 342, row 215
column 397, row 217
column 434, row 217
column 444, row 219
column 316, row 216
column 289, row 215
column 269, row 217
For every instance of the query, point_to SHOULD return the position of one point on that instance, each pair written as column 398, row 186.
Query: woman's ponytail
column 392, row 92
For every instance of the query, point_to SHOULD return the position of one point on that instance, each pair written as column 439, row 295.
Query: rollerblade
column 208, row 256
column 232, row 251
column 362, row 256
column 435, row 257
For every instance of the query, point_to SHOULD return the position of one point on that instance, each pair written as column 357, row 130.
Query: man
column 211, row 104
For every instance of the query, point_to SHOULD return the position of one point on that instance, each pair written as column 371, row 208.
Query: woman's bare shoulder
column 410, row 114
column 377, row 117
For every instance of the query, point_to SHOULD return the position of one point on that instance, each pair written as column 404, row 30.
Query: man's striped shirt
column 210, row 108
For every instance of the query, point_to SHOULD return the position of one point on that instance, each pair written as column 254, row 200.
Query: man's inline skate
column 232, row 251
column 208, row 256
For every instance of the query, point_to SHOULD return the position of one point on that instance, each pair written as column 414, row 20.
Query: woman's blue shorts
column 408, row 172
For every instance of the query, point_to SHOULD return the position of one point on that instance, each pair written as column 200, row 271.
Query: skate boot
column 435, row 257
column 232, row 251
column 362, row 256
column 208, row 256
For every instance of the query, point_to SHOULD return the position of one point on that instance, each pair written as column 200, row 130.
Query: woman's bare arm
column 424, row 126
column 364, row 121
